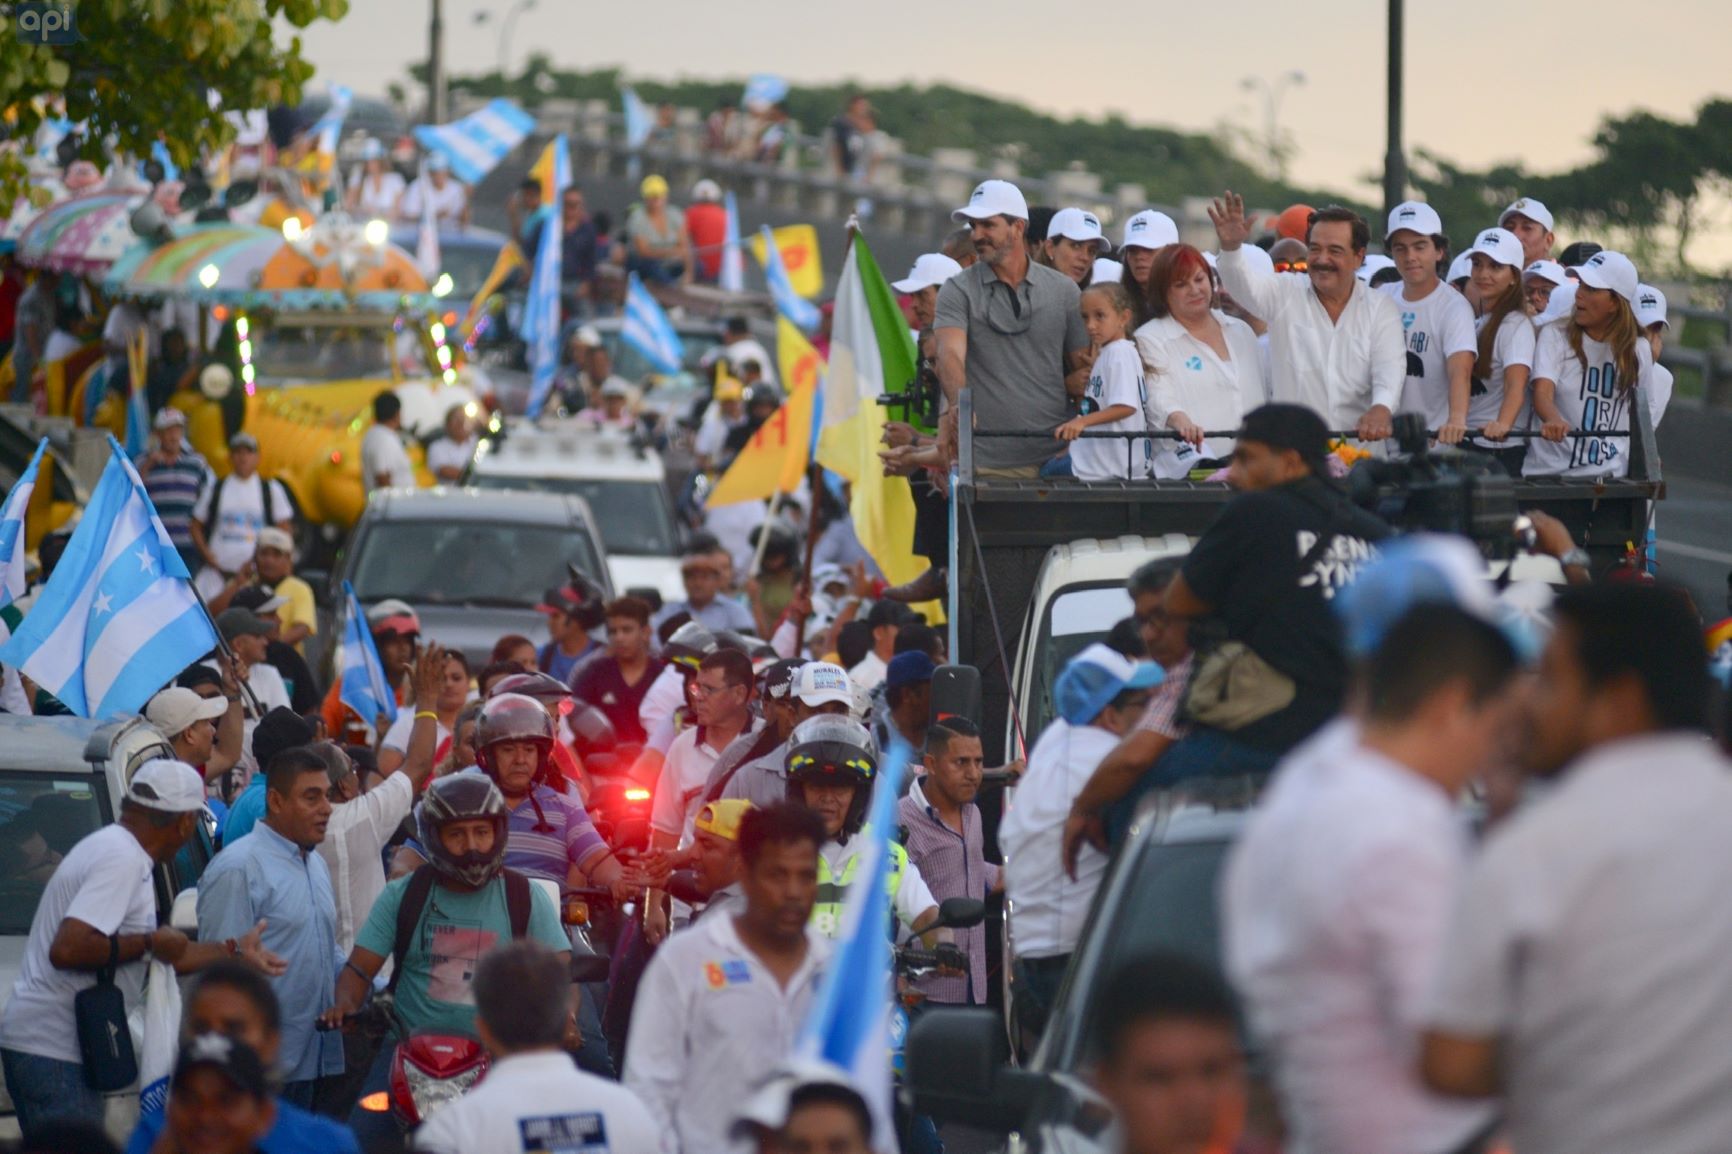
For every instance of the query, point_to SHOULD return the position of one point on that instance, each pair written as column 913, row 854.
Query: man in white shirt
column 1335, row 344
column 248, row 635
column 1436, row 322
column 1531, row 221
column 1585, row 979
column 739, row 346
column 230, row 512
column 720, row 1004
column 449, row 454
column 450, row 200
column 885, row 617
column 534, row 1097
column 1337, row 896
column 1099, row 696
column 384, row 460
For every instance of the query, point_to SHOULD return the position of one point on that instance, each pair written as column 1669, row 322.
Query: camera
column 1437, row 491
column 917, row 401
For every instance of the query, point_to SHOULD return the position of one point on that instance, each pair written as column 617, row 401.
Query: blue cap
column 1424, row 569
column 1094, row 677
column 909, row 669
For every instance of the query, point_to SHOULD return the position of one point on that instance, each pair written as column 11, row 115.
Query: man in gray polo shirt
column 1008, row 331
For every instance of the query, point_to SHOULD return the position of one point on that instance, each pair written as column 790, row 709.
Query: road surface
column 1695, row 530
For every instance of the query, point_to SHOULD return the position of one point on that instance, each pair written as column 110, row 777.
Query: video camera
column 917, row 401
column 1437, row 491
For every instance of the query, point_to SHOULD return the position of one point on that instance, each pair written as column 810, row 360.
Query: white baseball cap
column 1106, row 269
column 1500, row 244
column 1529, row 207
column 1561, row 304
column 993, row 198
column 1650, row 307
column 820, row 683
column 271, row 537
column 167, row 785
column 1460, row 267
column 1415, row 216
column 174, row 710
column 1547, row 270
column 170, row 418
column 1610, row 270
column 1150, row 229
column 930, row 268
column 1375, row 262
column 1079, row 225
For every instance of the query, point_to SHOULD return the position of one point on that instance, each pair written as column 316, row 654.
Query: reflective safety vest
column 833, row 891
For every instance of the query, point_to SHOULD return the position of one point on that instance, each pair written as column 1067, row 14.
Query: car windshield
column 468, row 266
column 289, row 353
column 502, row 564
column 42, row 816
column 1076, row 618
column 633, row 516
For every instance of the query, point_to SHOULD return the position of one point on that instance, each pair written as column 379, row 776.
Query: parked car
column 473, row 564
column 60, row 779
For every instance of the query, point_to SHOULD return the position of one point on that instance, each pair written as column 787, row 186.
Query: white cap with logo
column 1651, row 307
column 166, row 785
column 1500, row 244
column 1612, row 271
column 1150, row 229
column 1106, row 269
column 1529, row 207
column 1415, row 216
column 930, row 268
column 1375, row 262
column 1549, row 270
column 993, row 198
column 1460, row 268
column 821, row 683
column 174, row 710
column 1079, row 225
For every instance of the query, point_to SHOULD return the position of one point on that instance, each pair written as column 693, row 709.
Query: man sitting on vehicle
column 438, row 923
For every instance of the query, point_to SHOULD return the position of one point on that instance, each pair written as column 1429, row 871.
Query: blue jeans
column 1203, row 753
column 46, row 1089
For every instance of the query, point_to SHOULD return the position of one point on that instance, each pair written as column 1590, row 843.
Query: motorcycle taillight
column 430, row 1070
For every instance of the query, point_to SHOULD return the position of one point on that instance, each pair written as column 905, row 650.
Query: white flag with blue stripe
column 119, row 617
column 763, row 90
column 638, row 121
column 12, row 537
column 477, row 143
column 330, row 126
column 365, row 688
column 802, row 313
column 732, row 277
column 541, row 306
column 849, row 1024
column 648, row 330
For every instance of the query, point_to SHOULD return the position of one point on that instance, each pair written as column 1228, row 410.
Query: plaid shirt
column 1162, row 714
column 953, row 865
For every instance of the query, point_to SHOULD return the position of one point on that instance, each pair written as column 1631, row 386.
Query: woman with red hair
column 1203, row 368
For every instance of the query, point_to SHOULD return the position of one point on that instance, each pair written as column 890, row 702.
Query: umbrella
column 30, row 205
column 160, row 270
column 83, row 235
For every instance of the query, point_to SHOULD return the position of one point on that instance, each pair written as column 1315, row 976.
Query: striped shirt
column 548, row 844
column 174, row 488
column 1162, row 714
column 953, row 865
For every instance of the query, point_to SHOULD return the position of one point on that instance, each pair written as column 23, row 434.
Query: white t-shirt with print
column 241, row 514
column 1513, row 345
column 1589, row 397
column 1116, row 379
column 1435, row 328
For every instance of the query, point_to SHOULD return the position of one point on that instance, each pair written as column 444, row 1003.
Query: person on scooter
column 716, row 852
column 438, row 923
column 566, row 773
column 831, row 770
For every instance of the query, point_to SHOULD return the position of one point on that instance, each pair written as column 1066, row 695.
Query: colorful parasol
column 84, row 235
column 29, row 205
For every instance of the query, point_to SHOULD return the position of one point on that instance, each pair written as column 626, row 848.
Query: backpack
column 216, row 503
column 420, row 890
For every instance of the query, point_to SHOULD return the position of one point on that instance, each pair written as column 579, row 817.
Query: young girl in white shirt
column 1114, row 400
column 1498, row 400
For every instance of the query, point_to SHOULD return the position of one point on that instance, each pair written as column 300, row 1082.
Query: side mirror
column 183, row 915
column 958, row 1071
column 961, row 913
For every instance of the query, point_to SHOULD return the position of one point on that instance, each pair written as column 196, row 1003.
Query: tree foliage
column 142, row 69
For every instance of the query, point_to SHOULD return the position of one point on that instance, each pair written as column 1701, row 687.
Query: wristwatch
column 1576, row 558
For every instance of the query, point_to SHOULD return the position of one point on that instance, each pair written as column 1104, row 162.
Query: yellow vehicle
column 304, row 383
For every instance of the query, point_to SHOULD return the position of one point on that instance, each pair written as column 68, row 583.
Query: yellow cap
column 723, row 818
column 653, row 185
column 729, row 389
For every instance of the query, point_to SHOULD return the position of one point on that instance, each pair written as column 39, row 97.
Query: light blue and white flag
column 330, row 125
column 119, row 617
column 801, row 312
column 477, row 143
column 849, row 1024
column 763, row 90
column 12, row 536
column 648, row 330
column 638, row 120
column 541, row 306
column 365, row 689
column 732, row 276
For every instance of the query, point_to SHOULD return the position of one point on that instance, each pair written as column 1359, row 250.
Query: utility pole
column 1272, row 90
column 436, row 64
column 1394, row 162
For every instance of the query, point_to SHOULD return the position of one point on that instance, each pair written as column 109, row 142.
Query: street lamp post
column 1394, row 161
column 1272, row 92
column 436, row 63
column 506, row 26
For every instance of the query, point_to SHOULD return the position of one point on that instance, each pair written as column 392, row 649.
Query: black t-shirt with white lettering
column 1247, row 566
column 599, row 683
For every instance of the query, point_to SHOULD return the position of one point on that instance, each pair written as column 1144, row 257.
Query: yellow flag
column 798, row 244
column 542, row 170
column 509, row 260
column 775, row 459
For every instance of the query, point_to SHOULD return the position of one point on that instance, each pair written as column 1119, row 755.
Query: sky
column 1487, row 80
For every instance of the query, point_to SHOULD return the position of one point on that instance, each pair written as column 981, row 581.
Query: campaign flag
column 427, row 257
column 509, row 260
column 789, row 303
column 638, row 120
column 12, row 535
column 328, row 129
column 541, row 308
column 849, row 1023
column 648, row 330
column 775, row 458
column 798, row 246
column 366, row 689
column 732, row 277
column 763, row 90
column 119, row 617
column 475, row 144
column 871, row 352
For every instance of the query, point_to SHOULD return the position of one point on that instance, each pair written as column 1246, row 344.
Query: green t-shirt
column 455, row 930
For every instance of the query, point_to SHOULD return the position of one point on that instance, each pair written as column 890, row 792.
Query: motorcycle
column 912, row 962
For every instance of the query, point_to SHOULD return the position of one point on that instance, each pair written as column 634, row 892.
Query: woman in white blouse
column 1202, row 367
column 376, row 193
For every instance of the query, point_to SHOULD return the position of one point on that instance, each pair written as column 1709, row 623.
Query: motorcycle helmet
column 462, row 797
column 832, row 748
column 689, row 645
column 513, row 717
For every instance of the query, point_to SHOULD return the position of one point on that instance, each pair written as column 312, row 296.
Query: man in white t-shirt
column 384, row 461
column 534, row 1096
column 248, row 635
column 230, row 512
column 739, row 346
column 1436, row 322
column 98, row 909
column 449, row 454
column 1337, row 897
column 449, row 198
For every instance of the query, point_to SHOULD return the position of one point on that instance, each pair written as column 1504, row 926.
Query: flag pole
column 764, row 535
column 223, row 647
column 815, row 487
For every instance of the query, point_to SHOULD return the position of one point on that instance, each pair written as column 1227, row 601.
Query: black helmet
column 543, row 687
column 689, row 645
column 513, row 717
column 462, row 797
column 832, row 748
